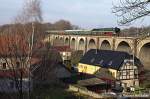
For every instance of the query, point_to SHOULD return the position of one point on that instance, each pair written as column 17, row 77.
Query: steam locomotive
column 106, row 31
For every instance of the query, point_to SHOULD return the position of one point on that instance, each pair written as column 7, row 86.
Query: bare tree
column 20, row 41
column 32, row 16
column 14, row 64
column 130, row 10
column 31, row 12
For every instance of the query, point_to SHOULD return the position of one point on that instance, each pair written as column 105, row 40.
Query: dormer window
column 101, row 61
column 92, row 60
column 110, row 63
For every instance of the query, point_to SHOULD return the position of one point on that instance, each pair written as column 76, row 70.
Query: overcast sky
column 84, row 13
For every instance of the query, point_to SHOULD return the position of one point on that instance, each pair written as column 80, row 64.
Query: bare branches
column 130, row 10
column 17, row 46
column 31, row 12
column 34, row 10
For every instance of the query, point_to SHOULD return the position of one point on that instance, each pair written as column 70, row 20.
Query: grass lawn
column 55, row 92
column 46, row 92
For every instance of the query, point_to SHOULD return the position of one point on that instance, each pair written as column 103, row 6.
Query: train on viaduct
column 102, row 39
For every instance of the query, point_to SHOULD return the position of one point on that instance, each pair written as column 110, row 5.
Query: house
column 13, row 74
column 16, row 62
column 119, row 64
column 50, row 69
column 14, row 68
column 65, row 52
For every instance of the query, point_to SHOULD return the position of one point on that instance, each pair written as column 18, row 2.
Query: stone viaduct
column 140, row 47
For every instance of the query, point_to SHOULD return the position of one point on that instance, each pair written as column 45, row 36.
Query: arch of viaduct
column 140, row 48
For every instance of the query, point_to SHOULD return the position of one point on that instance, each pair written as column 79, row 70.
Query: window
column 131, row 72
column 101, row 61
column 124, row 73
column 128, row 67
column 64, row 54
column 110, row 63
column 128, row 77
column 4, row 66
column 85, row 69
column 92, row 60
column 80, row 66
column 124, row 77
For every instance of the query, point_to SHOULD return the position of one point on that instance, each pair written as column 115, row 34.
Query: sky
column 83, row 13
